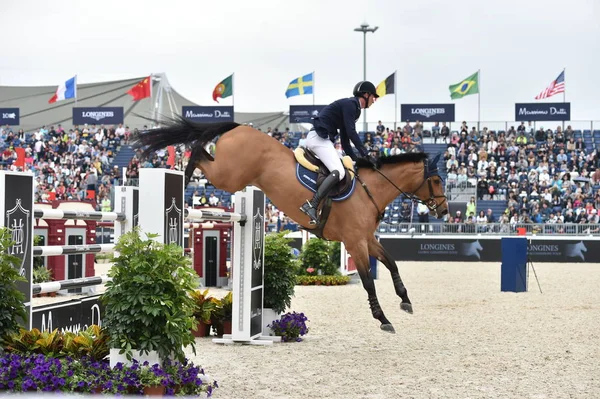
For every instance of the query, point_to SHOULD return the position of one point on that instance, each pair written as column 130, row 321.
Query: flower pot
column 97, row 390
column 269, row 316
column 202, row 331
column 158, row 390
column 227, row 327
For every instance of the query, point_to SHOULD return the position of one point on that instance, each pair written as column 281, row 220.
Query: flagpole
column 152, row 98
column 75, row 89
column 478, row 100
column 233, row 91
column 313, row 87
column 395, row 98
column 564, row 93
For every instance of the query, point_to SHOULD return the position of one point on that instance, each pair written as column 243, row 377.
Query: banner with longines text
column 97, row 115
column 542, row 112
column 427, row 112
column 223, row 113
column 304, row 113
column 9, row 116
column 488, row 250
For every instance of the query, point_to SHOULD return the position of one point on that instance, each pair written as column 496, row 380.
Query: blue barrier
column 514, row 265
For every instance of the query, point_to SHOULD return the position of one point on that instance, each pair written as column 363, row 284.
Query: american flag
column 555, row 87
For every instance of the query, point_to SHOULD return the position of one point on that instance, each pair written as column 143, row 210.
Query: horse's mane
column 393, row 159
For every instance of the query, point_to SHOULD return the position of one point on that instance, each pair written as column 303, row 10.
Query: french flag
column 65, row 91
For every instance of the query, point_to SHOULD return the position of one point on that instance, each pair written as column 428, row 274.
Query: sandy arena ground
column 466, row 339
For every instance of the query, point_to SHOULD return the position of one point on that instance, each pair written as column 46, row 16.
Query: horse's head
column 431, row 190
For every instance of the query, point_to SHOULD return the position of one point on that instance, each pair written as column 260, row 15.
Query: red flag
column 141, row 90
column 171, row 158
column 20, row 162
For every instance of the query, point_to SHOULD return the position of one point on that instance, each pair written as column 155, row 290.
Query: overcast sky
column 520, row 46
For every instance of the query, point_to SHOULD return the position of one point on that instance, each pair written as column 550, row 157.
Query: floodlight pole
column 364, row 28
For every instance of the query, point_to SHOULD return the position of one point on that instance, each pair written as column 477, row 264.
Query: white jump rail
column 59, row 214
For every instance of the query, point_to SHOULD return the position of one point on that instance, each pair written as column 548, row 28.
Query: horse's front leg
column 377, row 251
column 359, row 253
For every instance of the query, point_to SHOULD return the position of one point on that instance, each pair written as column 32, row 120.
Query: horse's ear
column 433, row 163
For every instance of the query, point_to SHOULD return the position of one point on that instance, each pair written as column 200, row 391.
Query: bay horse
column 245, row 156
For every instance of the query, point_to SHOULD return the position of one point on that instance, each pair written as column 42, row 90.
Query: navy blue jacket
column 341, row 114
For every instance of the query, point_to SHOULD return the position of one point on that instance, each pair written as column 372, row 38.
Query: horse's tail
column 181, row 131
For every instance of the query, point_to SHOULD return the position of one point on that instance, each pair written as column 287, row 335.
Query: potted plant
column 290, row 327
column 204, row 307
column 279, row 277
column 149, row 311
column 221, row 317
column 12, row 307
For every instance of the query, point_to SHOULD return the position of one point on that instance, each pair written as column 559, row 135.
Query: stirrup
column 306, row 208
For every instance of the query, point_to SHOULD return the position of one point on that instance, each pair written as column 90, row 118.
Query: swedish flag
column 468, row 86
column 300, row 86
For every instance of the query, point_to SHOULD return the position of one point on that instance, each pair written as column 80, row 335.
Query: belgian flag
column 387, row 86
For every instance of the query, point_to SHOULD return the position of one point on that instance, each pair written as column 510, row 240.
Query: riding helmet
column 365, row 87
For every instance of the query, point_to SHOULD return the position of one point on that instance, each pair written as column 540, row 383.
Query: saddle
column 310, row 161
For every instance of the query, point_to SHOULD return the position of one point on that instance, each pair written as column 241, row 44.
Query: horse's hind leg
column 361, row 260
column 377, row 251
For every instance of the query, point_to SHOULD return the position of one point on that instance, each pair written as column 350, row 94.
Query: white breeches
column 326, row 152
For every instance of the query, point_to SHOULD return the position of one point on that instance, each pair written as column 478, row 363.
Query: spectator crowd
column 544, row 176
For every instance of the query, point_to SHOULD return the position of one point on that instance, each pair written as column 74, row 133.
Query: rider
column 341, row 114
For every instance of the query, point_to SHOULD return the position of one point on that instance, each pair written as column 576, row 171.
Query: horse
column 245, row 156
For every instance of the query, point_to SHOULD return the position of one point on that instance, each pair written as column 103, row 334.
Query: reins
column 429, row 203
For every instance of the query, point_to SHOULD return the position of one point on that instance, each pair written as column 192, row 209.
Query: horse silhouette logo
column 576, row 250
column 472, row 249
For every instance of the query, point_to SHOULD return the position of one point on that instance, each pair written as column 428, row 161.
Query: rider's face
column 369, row 100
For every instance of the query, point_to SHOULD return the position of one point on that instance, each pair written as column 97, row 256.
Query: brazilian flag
column 386, row 86
column 468, row 86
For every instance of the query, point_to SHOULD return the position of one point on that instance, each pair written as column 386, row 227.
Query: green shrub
column 12, row 308
column 318, row 257
column 148, row 303
column 322, row 280
column 279, row 272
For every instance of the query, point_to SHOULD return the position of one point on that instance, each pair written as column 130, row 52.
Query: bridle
column 431, row 202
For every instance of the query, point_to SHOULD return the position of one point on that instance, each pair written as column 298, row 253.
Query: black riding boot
column 311, row 207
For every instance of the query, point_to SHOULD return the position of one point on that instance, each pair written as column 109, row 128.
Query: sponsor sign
column 173, row 206
column 9, row 116
column 73, row 316
column 489, row 250
column 208, row 114
column 304, row 113
column 258, row 257
column 427, row 112
column 97, row 115
column 542, row 112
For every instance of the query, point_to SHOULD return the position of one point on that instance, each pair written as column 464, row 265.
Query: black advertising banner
column 97, row 115
column 74, row 315
column 489, row 250
column 258, row 253
column 18, row 217
column 258, row 235
column 427, row 112
column 542, row 112
column 304, row 113
column 219, row 113
column 9, row 116
column 173, row 207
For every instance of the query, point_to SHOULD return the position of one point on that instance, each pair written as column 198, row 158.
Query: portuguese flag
column 387, row 86
column 224, row 89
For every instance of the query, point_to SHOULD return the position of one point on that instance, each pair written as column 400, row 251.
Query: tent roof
column 35, row 111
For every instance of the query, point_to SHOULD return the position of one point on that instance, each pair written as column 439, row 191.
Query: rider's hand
column 372, row 160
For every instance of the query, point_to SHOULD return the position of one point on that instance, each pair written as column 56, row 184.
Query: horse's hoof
column 388, row 328
column 407, row 307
